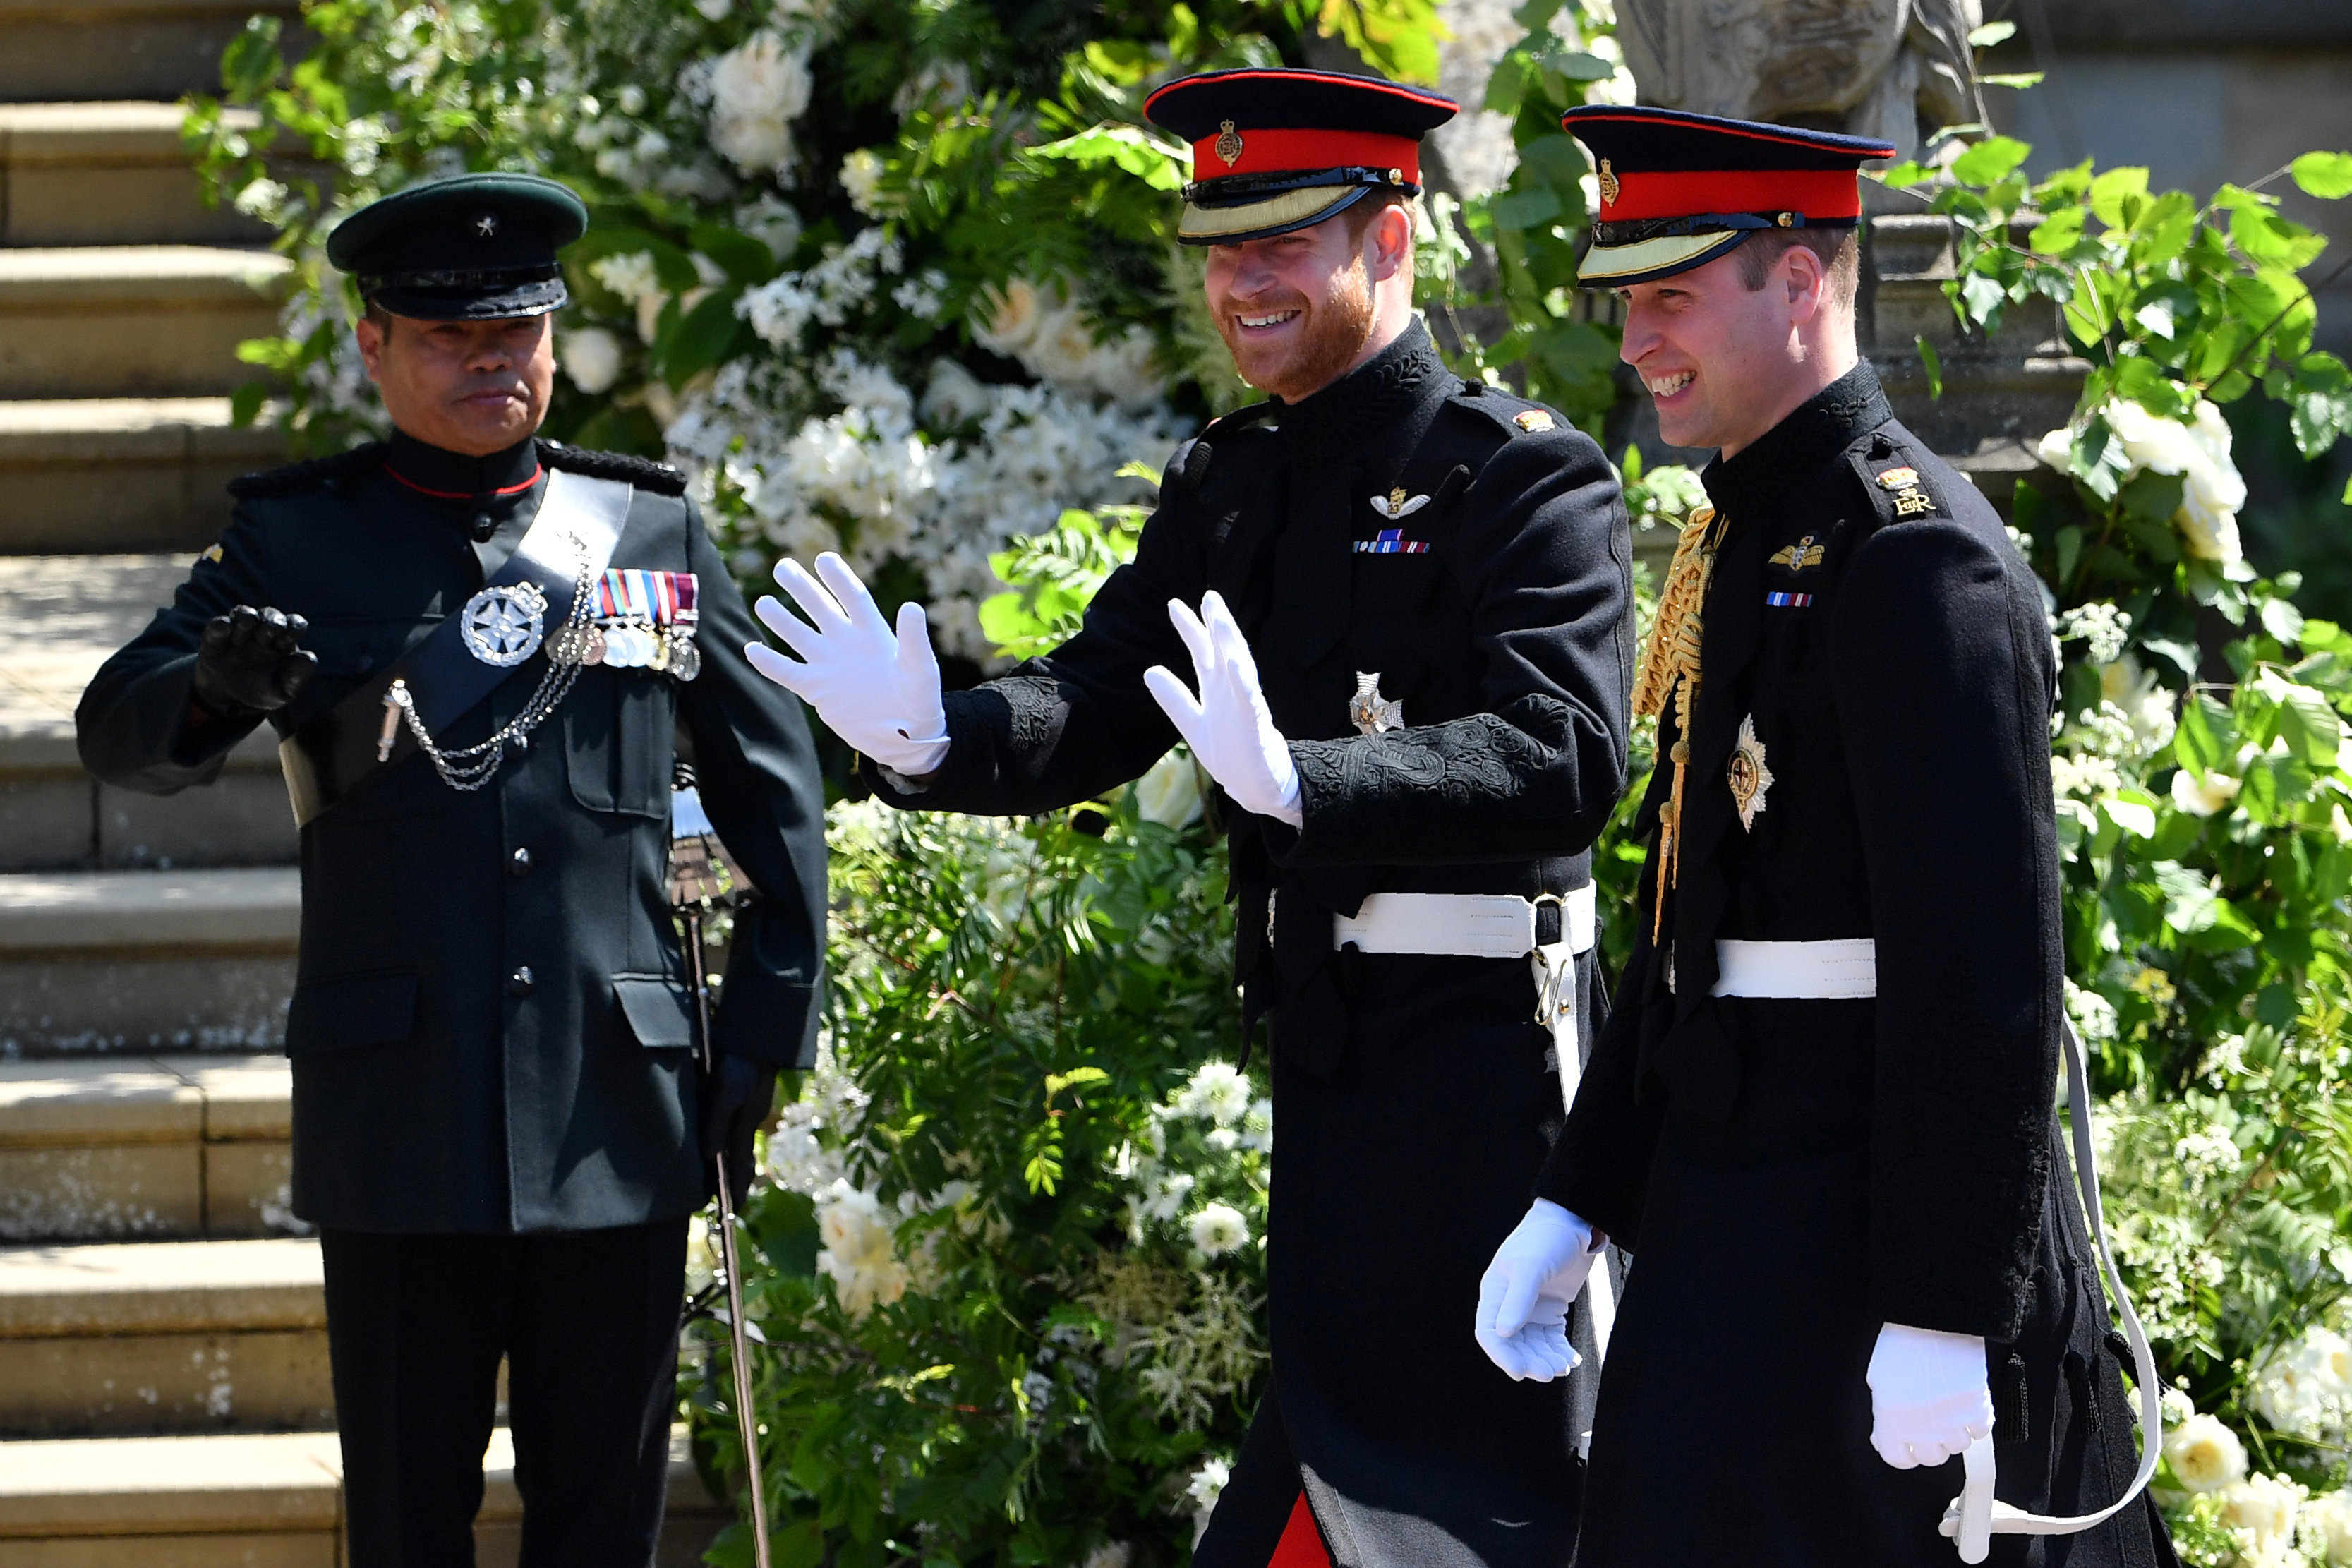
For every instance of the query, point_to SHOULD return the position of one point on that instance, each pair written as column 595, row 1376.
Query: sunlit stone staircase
column 165, row 1399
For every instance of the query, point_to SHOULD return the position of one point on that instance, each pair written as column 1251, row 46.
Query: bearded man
column 1405, row 602
column 1820, row 1116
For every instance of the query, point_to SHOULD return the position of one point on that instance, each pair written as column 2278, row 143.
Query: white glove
column 875, row 689
column 1929, row 1395
column 1230, row 730
column 1523, row 1297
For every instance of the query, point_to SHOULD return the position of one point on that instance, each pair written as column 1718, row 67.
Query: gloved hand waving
column 1524, row 1297
column 1230, row 730
column 1929, row 1394
column 248, row 661
column 876, row 689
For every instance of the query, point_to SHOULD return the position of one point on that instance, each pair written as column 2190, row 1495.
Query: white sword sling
column 1850, row 968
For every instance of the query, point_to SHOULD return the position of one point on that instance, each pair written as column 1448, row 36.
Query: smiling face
column 475, row 387
column 1300, row 309
column 1725, row 362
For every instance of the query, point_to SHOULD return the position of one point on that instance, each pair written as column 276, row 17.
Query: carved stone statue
column 1894, row 68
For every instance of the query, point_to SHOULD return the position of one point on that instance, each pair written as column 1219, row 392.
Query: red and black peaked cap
column 1279, row 149
column 1678, row 190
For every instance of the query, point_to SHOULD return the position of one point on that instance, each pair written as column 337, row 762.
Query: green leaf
column 1990, row 160
column 1578, row 66
column 244, row 402
column 2328, row 175
column 745, row 260
column 2346, row 498
column 703, row 337
column 1908, row 172
column 2058, row 234
column 2207, row 735
column 1128, row 147
column 2282, row 621
column 2308, row 722
column 2134, row 812
column 1935, row 365
column 1991, row 33
column 1525, row 209
column 2019, row 80
column 1983, row 295
column 801, row 1545
column 2112, row 192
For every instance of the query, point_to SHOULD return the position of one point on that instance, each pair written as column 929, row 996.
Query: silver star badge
column 1371, row 712
column 1749, row 778
column 487, row 225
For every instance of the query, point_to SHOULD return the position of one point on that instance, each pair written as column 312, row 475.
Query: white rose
column 2202, row 795
column 2330, row 1520
column 861, row 176
column 1216, row 1092
column 2211, row 489
column 1217, row 1229
column 2306, row 1388
column 1014, row 312
column 1170, row 792
column 2205, row 1456
column 954, row 396
column 1207, row 1485
column 757, row 90
column 2265, row 1505
column 1110, row 1554
column 2056, row 448
column 1063, row 350
column 592, row 358
column 714, row 10
column 632, row 275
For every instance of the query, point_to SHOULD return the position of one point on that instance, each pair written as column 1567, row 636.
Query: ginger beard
column 1296, row 310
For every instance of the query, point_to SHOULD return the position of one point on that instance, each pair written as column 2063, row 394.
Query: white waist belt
column 1461, row 925
column 1814, row 970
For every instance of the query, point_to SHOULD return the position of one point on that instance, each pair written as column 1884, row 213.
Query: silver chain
column 471, row 767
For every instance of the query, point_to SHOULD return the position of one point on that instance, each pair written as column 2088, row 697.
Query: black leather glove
column 248, row 661
column 736, row 1095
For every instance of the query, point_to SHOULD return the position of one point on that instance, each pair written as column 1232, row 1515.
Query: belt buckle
column 1555, row 986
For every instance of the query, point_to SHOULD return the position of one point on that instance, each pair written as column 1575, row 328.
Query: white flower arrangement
column 591, row 357
column 1217, row 1229
column 757, row 90
column 2205, row 1454
column 2306, row 1388
column 2212, row 490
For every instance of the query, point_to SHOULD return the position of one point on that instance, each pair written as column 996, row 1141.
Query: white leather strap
column 1461, row 925
column 1803, row 970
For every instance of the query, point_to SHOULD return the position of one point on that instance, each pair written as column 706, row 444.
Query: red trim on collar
column 465, row 495
column 1684, row 192
column 1295, row 152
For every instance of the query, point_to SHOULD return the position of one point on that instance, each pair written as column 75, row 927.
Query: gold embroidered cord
column 1670, row 669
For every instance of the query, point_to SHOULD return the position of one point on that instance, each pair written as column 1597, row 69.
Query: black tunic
column 428, row 1095
column 1413, row 1095
column 1790, row 1175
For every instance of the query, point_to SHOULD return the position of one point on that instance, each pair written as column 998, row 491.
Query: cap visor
column 1646, row 261
column 1262, row 219
column 534, row 299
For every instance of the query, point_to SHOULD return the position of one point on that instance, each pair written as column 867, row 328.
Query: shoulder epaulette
column 641, row 472
column 1898, row 491
column 1189, row 464
column 316, row 474
column 1515, row 416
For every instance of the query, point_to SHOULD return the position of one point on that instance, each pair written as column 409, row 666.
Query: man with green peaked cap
column 483, row 652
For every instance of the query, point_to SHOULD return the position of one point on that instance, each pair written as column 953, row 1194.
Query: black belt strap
column 329, row 757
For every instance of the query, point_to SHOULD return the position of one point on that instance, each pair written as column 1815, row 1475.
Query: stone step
column 252, row 1501
column 68, row 615
column 172, row 1336
column 151, row 320
column 147, row 1147
column 103, row 475
column 109, row 174
column 95, row 961
column 53, row 50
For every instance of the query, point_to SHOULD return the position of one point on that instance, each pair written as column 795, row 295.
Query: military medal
column 1396, row 504
column 1372, row 713
column 1749, row 778
column 684, row 657
column 502, row 626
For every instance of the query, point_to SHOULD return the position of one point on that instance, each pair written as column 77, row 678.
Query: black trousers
column 588, row 1322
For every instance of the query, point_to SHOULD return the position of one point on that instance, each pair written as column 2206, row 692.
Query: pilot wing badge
column 1397, row 504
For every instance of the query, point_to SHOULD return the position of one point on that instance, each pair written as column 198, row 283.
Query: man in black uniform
column 1433, row 580
column 1819, row 1115
column 480, row 650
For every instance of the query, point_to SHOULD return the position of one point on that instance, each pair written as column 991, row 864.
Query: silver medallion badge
column 1749, row 778
column 685, row 658
column 1370, row 711
column 502, row 626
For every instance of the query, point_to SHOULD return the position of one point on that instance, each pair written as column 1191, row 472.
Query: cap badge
column 1371, row 712
column 1229, row 142
column 1533, row 419
column 1749, row 778
column 487, row 225
column 1397, row 504
column 1801, row 556
column 1608, row 187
